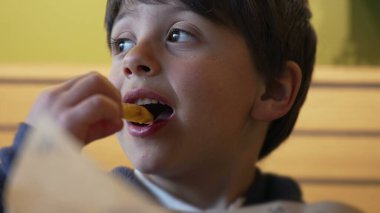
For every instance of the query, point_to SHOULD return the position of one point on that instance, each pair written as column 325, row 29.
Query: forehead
column 132, row 4
column 131, row 7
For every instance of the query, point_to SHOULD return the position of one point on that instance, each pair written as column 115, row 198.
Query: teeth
column 144, row 101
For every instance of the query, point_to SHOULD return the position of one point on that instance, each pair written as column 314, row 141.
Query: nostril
column 127, row 72
column 143, row 68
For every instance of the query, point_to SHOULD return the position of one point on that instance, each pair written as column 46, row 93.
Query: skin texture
column 205, row 154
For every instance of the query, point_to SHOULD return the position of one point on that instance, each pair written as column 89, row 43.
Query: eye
column 122, row 45
column 177, row 35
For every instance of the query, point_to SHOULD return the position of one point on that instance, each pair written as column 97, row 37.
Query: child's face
column 202, row 70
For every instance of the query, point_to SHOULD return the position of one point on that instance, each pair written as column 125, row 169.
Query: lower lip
column 146, row 131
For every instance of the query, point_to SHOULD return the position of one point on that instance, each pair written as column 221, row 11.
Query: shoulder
column 270, row 187
column 8, row 154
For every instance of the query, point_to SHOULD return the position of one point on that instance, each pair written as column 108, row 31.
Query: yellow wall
column 72, row 31
column 45, row 31
column 348, row 31
column 331, row 21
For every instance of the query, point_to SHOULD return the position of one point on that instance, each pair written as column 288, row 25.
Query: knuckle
column 97, row 101
column 47, row 96
column 64, row 118
column 95, row 78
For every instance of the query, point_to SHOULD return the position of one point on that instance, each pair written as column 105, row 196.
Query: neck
column 220, row 183
column 210, row 188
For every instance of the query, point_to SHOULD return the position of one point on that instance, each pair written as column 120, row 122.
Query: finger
column 91, row 84
column 103, row 129
column 54, row 92
column 69, row 83
column 52, row 99
column 90, row 114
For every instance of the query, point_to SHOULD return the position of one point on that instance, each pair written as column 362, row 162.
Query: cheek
column 215, row 90
column 116, row 76
column 192, row 81
column 214, row 81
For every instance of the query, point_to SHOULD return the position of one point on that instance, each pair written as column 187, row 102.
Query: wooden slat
column 337, row 109
column 16, row 101
column 366, row 198
column 330, row 157
column 106, row 153
column 341, row 74
column 46, row 71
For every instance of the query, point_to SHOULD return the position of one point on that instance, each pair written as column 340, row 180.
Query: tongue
column 159, row 111
column 163, row 116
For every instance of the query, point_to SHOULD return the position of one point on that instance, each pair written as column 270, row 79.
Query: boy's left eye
column 177, row 35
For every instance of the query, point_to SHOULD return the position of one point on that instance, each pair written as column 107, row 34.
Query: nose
column 141, row 60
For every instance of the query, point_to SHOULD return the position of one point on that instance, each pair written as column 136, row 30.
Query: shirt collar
column 171, row 202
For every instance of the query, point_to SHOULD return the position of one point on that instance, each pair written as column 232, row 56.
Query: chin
column 148, row 158
column 150, row 168
column 164, row 167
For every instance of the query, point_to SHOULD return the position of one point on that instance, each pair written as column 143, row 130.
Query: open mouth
column 159, row 110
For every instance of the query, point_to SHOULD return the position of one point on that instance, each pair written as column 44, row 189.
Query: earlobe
column 278, row 97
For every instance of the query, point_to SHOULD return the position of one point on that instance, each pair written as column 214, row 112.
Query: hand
column 89, row 107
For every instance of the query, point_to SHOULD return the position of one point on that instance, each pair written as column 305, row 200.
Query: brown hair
column 275, row 31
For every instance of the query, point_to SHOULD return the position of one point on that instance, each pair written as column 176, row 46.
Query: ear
column 278, row 98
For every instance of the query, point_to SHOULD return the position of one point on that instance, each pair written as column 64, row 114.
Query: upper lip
column 133, row 95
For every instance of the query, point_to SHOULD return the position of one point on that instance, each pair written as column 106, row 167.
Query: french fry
column 137, row 114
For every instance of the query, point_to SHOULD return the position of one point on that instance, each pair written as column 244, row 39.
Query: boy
column 225, row 81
